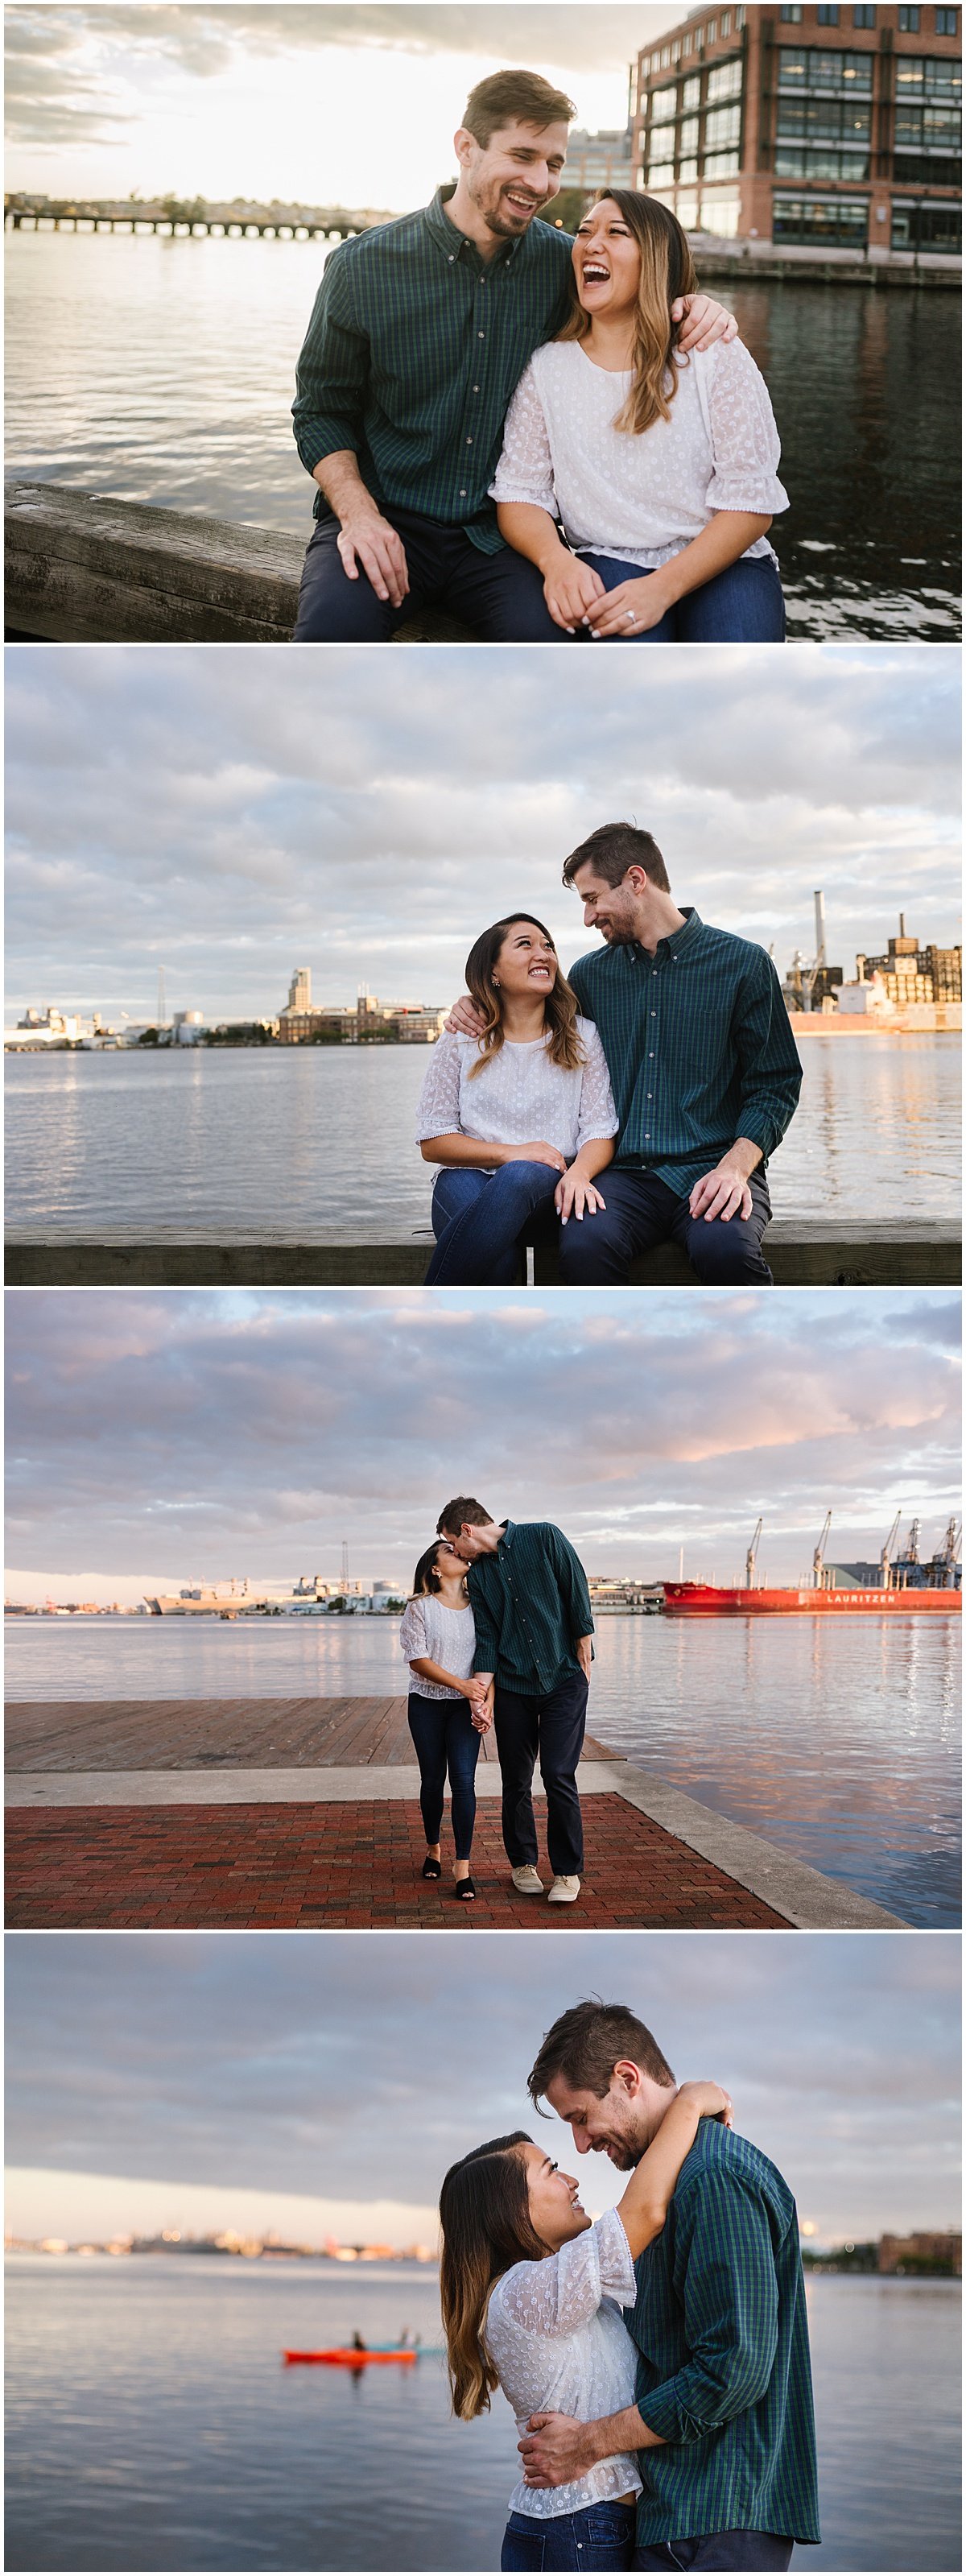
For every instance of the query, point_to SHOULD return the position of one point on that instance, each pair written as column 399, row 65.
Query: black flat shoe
column 432, row 1869
column 464, row 1890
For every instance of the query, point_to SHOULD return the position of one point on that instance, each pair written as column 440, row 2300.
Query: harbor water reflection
column 291, row 1145
column 163, row 371
column 151, row 2424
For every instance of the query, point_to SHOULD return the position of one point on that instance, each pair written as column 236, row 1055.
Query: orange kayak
column 351, row 2359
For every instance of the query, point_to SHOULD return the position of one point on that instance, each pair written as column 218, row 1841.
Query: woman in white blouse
column 640, row 482
column 531, row 2295
column 520, row 1119
column 447, row 1716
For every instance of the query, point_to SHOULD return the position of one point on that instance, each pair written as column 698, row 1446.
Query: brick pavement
column 338, row 1867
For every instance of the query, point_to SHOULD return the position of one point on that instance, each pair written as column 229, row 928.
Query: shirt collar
column 678, row 940
column 448, row 237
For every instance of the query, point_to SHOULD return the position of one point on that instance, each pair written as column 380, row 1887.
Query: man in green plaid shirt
column 420, row 334
column 724, row 2425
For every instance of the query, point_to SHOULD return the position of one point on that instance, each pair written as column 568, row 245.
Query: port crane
column 890, row 1550
column 751, row 1559
column 946, row 1559
column 818, row 1560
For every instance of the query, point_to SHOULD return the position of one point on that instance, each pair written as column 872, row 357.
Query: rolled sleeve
column 724, row 2272
column 769, row 1063
column 744, row 436
column 525, row 470
column 332, row 373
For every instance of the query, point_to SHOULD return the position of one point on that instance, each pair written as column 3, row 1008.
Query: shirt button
column 463, row 494
column 469, row 442
column 452, row 257
column 476, row 389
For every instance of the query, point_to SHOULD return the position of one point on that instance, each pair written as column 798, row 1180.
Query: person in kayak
column 531, row 2294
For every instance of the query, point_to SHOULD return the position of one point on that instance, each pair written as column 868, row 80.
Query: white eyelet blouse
column 641, row 499
column 519, row 1096
column 557, row 2340
column 444, row 1636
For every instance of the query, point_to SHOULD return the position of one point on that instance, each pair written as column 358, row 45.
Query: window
column 687, row 172
column 726, row 23
column 819, row 162
column 722, row 127
column 711, row 37
column 699, row 40
column 687, row 213
column 664, row 106
column 725, row 81
column 722, row 165
column 825, row 120
column 740, row 16
column 827, row 17
column 688, row 138
column 928, row 78
column 863, row 17
column 909, row 22
column 800, row 68
column 791, row 17
column 947, row 22
column 721, row 215
column 843, row 220
column 691, row 93
column 660, row 175
column 932, row 227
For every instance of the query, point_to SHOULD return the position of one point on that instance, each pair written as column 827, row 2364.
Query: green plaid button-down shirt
column 414, row 350
column 698, row 1046
column 530, row 1602
column 724, row 2372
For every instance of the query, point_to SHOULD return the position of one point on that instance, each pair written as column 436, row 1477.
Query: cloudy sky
column 229, row 815
column 354, row 2069
column 354, row 105
column 184, row 1435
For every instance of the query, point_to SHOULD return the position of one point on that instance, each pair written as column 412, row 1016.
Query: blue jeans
column 744, row 605
column 445, row 1740
column 551, row 1724
column 642, row 1211
column 500, row 596
column 718, row 2549
column 478, row 1218
column 601, row 2536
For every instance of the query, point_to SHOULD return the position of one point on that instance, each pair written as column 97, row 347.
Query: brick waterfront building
column 824, row 127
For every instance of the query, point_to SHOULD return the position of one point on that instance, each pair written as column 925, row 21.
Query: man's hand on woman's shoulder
column 704, row 322
column 464, row 1020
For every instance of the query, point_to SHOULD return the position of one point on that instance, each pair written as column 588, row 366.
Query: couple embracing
column 499, row 1632
column 656, row 2359
column 550, row 439
column 633, row 1102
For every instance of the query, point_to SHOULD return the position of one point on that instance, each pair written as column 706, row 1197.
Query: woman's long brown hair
column 667, row 271
column 560, row 1008
column 485, row 2215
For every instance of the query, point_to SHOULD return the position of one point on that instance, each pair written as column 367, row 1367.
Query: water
column 152, row 2425
column 292, row 1145
column 163, row 371
column 838, row 1740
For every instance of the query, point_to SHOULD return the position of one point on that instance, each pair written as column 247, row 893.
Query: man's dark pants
column 725, row 2549
column 551, row 1724
column 500, row 596
column 640, row 1211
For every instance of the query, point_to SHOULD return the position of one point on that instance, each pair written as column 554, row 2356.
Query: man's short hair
column 614, row 849
column 458, row 1513
column 511, row 98
column 585, row 2045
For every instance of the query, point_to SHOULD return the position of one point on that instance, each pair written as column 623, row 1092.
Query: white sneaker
column 526, row 1881
column 564, row 1891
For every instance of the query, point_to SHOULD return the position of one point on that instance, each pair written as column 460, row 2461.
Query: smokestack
column 819, row 927
column 902, row 925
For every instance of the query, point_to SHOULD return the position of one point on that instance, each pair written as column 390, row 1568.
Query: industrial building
column 825, row 128
column 369, row 1023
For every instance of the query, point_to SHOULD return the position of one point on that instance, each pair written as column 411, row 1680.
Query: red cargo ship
column 712, row 1600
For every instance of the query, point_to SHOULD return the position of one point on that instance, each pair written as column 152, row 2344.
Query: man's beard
column 507, row 227
column 618, row 934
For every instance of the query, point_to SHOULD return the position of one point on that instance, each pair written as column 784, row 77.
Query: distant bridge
column 187, row 219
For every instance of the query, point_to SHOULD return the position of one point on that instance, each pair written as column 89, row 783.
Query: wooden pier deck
column 198, row 1734
column 244, row 1813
